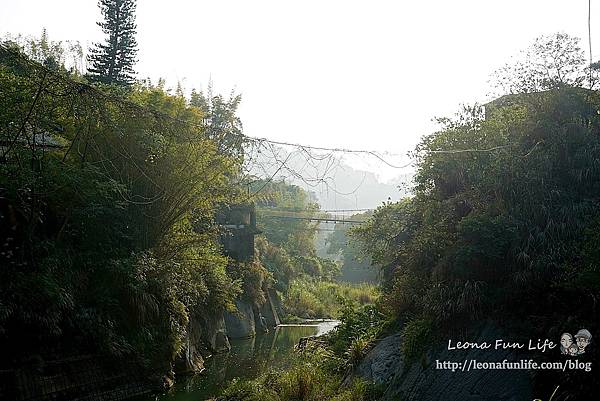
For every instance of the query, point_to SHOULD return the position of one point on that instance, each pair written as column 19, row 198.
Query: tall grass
column 323, row 299
column 313, row 377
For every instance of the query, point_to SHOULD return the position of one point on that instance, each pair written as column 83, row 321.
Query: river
column 247, row 359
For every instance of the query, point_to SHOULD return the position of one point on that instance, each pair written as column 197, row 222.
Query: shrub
column 359, row 326
column 416, row 337
column 310, row 378
column 358, row 349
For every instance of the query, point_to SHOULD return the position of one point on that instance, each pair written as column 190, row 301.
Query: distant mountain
column 355, row 189
column 333, row 184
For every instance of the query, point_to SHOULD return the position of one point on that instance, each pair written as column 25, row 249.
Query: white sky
column 355, row 74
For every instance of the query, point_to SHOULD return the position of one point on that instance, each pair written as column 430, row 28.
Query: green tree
column 66, row 56
column 507, row 233
column 112, row 62
column 220, row 119
column 504, row 207
column 355, row 268
column 274, row 201
column 550, row 62
column 117, row 247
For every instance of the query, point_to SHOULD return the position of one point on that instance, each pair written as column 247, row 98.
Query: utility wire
column 338, row 150
column 76, row 88
column 469, row 150
column 85, row 86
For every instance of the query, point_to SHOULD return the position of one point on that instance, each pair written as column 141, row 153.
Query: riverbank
column 254, row 353
column 317, row 371
column 247, row 359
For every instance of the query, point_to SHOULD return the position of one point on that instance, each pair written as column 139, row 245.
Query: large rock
column 215, row 333
column 422, row 381
column 382, row 362
column 189, row 360
column 241, row 324
column 205, row 335
column 248, row 319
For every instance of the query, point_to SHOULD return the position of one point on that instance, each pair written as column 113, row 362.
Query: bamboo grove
column 108, row 199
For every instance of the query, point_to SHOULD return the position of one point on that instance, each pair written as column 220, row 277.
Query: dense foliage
column 313, row 376
column 295, row 236
column 287, row 246
column 311, row 298
column 504, row 219
column 108, row 235
column 356, row 267
column 112, row 200
column 501, row 227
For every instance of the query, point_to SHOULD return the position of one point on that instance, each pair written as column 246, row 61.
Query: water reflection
column 247, row 359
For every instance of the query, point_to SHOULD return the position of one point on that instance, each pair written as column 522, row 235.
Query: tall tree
column 112, row 62
column 550, row 62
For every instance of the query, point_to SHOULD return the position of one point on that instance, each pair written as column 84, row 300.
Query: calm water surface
column 247, row 359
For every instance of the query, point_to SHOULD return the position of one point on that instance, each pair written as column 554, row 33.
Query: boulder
column 420, row 380
column 382, row 362
column 214, row 333
column 190, row 360
column 240, row 324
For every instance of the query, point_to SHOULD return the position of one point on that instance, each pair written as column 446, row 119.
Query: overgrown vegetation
column 287, row 249
column 111, row 198
column 504, row 214
column 109, row 241
column 313, row 376
column 317, row 373
column 356, row 267
column 108, row 236
column 310, row 298
column 505, row 211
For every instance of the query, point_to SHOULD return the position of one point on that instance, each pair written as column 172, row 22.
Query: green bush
column 359, row 326
column 417, row 337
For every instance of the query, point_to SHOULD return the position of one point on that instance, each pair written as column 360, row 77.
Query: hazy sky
column 356, row 74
